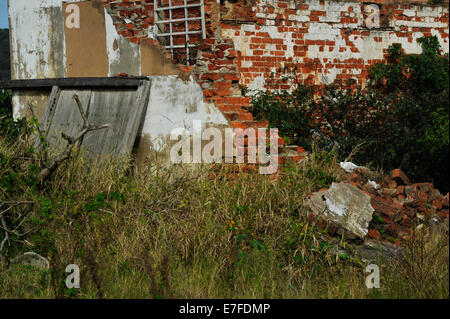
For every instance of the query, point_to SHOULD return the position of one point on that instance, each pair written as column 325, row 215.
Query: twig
column 6, row 239
column 34, row 117
column 72, row 143
column 13, row 204
column 6, row 210
column 6, row 230
column 354, row 151
column 17, row 203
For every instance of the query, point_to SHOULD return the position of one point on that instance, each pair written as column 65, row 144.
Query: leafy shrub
column 290, row 113
column 418, row 126
column 5, row 103
column 400, row 120
column 10, row 129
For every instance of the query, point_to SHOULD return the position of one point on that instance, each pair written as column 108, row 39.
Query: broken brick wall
column 327, row 41
column 246, row 42
column 252, row 43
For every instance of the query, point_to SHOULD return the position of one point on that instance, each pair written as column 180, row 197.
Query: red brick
column 222, row 85
column 237, row 100
column 231, row 54
column 437, row 204
column 241, row 125
column 399, row 177
column 400, row 190
column 422, row 196
column 231, row 77
column 220, row 54
column 375, row 234
column 382, row 206
column 211, row 76
column 445, row 201
column 245, row 116
column 443, row 213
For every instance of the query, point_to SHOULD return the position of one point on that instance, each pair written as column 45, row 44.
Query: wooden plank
column 139, row 109
column 123, row 110
column 108, row 107
column 49, row 113
column 67, row 118
column 72, row 83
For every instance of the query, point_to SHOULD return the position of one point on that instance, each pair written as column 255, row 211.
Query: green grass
column 153, row 232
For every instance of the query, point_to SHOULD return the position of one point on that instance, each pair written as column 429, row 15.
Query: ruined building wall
column 327, row 40
column 250, row 41
column 43, row 45
column 246, row 42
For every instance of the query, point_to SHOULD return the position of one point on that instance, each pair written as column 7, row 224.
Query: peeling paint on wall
column 327, row 37
column 123, row 55
column 175, row 103
column 247, row 42
column 37, row 39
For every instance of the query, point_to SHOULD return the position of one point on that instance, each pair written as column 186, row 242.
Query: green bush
column 400, row 120
column 10, row 130
column 290, row 113
column 416, row 124
column 5, row 103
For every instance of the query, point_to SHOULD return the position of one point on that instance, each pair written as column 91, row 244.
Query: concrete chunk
column 345, row 205
column 32, row 259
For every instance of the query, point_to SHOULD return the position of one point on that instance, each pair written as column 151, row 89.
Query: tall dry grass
column 155, row 232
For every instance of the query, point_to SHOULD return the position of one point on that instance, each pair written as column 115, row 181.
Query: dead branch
column 6, row 239
column 41, row 136
column 3, row 225
column 13, row 204
column 72, row 143
column 17, row 203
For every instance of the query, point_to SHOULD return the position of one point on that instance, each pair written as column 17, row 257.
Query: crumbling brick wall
column 132, row 19
column 328, row 40
column 249, row 42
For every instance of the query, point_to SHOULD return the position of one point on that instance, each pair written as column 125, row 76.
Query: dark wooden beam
column 71, row 82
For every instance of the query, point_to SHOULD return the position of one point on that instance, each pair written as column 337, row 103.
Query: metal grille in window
column 180, row 26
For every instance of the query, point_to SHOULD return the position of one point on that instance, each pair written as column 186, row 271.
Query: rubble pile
column 398, row 206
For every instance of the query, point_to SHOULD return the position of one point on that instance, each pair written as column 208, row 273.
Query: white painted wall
column 30, row 41
column 174, row 103
column 34, row 26
column 123, row 55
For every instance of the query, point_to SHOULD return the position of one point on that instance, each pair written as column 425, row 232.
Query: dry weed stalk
column 72, row 143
